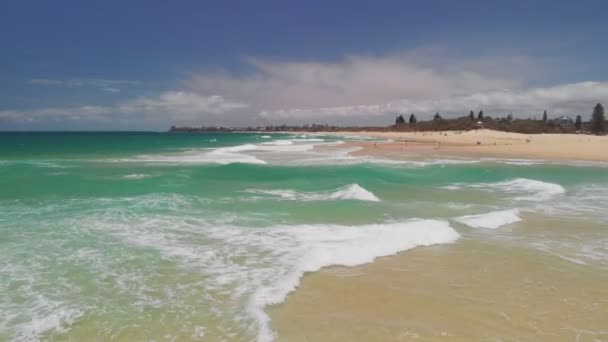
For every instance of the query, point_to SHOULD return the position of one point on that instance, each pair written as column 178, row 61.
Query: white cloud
column 354, row 90
column 71, row 113
column 181, row 103
column 375, row 88
column 351, row 82
column 179, row 106
column 571, row 99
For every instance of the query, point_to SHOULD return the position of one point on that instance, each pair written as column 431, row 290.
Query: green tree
column 413, row 119
column 437, row 117
column 545, row 118
column 480, row 116
column 598, row 121
column 578, row 124
column 472, row 116
column 510, row 117
column 399, row 120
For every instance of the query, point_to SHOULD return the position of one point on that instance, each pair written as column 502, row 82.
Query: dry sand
column 489, row 143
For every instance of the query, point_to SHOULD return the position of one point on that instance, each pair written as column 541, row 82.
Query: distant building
column 563, row 120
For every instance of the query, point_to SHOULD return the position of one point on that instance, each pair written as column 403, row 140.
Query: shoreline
column 509, row 291
column 421, row 293
column 483, row 143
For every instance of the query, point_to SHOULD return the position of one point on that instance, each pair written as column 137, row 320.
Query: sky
column 147, row 65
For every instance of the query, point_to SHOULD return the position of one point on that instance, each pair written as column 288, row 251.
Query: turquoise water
column 190, row 236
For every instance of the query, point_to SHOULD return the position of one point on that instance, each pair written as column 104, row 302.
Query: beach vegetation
column 413, row 119
column 598, row 120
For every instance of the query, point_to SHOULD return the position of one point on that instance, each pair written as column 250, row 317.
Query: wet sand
column 474, row 290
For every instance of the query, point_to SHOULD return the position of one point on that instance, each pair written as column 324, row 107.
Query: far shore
column 484, row 143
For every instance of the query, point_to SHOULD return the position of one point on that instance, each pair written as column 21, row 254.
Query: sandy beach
column 487, row 143
column 477, row 290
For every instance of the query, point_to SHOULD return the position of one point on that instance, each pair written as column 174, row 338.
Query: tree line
column 597, row 124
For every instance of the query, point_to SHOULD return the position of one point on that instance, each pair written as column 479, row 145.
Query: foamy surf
column 491, row 220
column 277, row 150
column 222, row 155
column 349, row 192
column 251, row 268
column 523, row 189
column 320, row 246
column 136, row 176
column 529, row 189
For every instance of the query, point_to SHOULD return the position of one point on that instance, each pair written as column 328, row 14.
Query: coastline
column 484, row 143
column 444, row 293
column 281, row 214
column 421, row 294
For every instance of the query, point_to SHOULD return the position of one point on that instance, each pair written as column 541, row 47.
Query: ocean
column 225, row 236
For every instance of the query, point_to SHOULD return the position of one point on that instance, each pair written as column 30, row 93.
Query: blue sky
column 150, row 64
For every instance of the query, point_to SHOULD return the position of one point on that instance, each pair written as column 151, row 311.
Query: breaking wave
column 491, row 220
column 349, row 192
column 522, row 188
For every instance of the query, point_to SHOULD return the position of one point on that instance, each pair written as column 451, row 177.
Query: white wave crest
column 491, row 220
column 333, row 245
column 278, row 150
column 136, row 176
column 349, row 192
column 354, row 191
column 531, row 190
column 524, row 189
column 278, row 143
column 222, row 155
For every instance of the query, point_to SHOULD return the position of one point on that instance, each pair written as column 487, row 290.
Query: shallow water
column 140, row 236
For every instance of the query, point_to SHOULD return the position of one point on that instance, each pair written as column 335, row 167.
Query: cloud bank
column 169, row 106
column 355, row 90
column 567, row 99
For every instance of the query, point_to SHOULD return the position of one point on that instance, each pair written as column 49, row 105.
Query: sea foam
column 252, row 268
column 529, row 189
column 320, row 246
column 349, row 192
column 245, row 153
column 354, row 191
column 522, row 188
column 491, row 220
column 136, row 176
